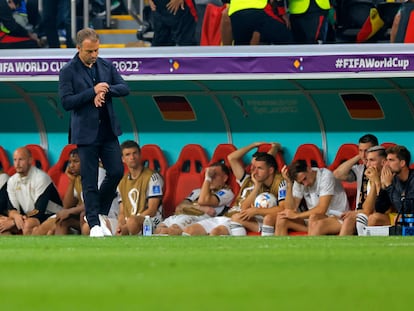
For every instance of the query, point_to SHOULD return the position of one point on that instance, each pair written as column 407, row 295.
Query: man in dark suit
column 86, row 87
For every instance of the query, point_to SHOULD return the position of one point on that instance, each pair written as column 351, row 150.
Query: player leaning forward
column 324, row 196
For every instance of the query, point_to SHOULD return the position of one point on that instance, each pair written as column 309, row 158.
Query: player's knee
column 220, row 230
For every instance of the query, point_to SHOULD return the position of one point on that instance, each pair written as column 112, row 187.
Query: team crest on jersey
column 156, row 189
column 220, row 193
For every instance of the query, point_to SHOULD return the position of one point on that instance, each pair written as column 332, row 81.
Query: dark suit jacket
column 77, row 94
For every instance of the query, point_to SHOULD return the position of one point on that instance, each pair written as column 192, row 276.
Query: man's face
column 131, row 157
column 74, row 164
column 375, row 161
column 363, row 147
column 306, row 178
column 22, row 161
column 261, row 171
column 219, row 178
column 88, row 52
column 394, row 163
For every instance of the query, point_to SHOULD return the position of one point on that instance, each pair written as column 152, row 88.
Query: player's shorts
column 183, row 220
column 210, row 223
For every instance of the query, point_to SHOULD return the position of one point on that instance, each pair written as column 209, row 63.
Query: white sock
column 237, row 229
column 268, row 230
column 185, row 234
column 361, row 223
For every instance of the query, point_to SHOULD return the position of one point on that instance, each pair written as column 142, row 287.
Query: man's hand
column 285, row 175
column 99, row 99
column 62, row 215
column 288, row 214
column 174, row 5
column 6, row 223
column 210, row 173
column 101, row 87
column 248, row 213
column 152, row 5
column 70, row 174
column 19, row 221
column 386, row 176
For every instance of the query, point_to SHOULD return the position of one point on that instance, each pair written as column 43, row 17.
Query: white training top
column 24, row 191
column 325, row 184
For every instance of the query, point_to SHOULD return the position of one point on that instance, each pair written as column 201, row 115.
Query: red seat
column 311, row 153
column 39, row 157
column 57, row 171
column 4, row 160
column 386, row 145
column 183, row 176
column 344, row 153
column 153, row 157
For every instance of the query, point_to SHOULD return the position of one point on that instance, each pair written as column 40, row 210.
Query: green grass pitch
column 206, row 273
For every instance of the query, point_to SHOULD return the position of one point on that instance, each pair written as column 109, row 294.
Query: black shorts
column 170, row 30
column 245, row 22
column 308, row 28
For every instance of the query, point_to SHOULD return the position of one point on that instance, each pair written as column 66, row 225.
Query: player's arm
column 344, row 171
column 291, row 202
column 251, row 197
column 207, row 198
column 270, row 211
column 368, row 206
column 320, row 209
column 154, row 195
column 153, row 204
column 69, row 199
column 274, row 148
column 236, row 159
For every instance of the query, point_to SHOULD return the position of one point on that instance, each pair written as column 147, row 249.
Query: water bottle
column 147, row 227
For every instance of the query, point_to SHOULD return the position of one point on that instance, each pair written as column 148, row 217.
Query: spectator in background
column 258, row 16
column 174, row 22
column 402, row 23
column 308, row 19
column 15, row 30
column 56, row 15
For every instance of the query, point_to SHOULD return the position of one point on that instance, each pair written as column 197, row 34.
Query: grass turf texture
column 206, row 273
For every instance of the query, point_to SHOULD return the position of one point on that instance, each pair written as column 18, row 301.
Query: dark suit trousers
column 98, row 201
